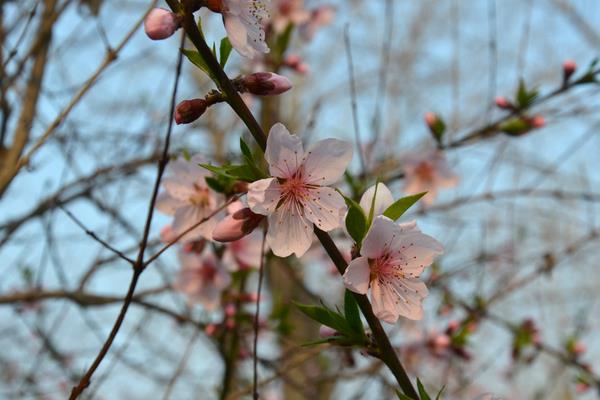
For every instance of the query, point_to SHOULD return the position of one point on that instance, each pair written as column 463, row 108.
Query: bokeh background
column 520, row 230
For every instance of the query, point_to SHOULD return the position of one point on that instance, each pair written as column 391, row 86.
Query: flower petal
column 178, row 188
column 356, row 277
column 383, row 302
column 263, row 196
column 379, row 237
column 383, row 199
column 284, row 152
column 289, row 233
column 167, row 204
column 325, row 208
column 188, row 216
column 413, row 251
column 326, row 161
column 238, row 35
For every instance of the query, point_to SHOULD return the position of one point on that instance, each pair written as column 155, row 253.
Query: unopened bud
column 210, row 329
column 237, row 225
column 266, row 83
column 502, row 102
column 437, row 127
column 569, row 67
column 160, row 24
column 326, row 332
column 189, row 110
column 230, row 323
column 431, row 119
column 538, row 121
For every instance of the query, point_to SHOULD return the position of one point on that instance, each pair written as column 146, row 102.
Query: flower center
column 425, row 171
column 294, row 191
column 382, row 267
column 201, row 197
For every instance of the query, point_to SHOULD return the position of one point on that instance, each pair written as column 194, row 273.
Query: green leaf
column 196, row 59
column 352, row 313
column 246, row 152
column 186, row 155
column 400, row 206
column 438, row 129
column 515, row 126
column 325, row 317
column 402, row 396
column 283, row 41
column 324, row 340
column 224, row 51
column 356, row 221
column 372, row 207
column 215, row 184
column 422, row 392
column 525, row 97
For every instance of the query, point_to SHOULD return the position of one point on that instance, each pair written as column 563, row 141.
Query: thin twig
column 256, row 320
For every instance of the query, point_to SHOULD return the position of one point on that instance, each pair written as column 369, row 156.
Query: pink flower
column 266, row 83
column 244, row 25
column 287, row 12
column 297, row 196
column 392, row 259
column 427, row 172
column 320, row 17
column 160, row 24
column 202, row 279
column 188, row 198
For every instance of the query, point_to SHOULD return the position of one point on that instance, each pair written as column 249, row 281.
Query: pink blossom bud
column 569, row 67
column 302, row 68
column 160, row 24
column 266, row 83
column 579, row 348
column 292, row 60
column 452, row 327
column 502, row 102
column 210, row 329
column 237, row 225
column 431, row 119
column 230, row 310
column 230, row 323
column 440, row 342
column 538, row 121
column 581, row 387
column 326, row 332
column 214, row 5
column 189, row 110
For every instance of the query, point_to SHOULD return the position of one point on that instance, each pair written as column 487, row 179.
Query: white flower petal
column 325, row 208
column 284, row 152
column 178, row 188
column 413, row 251
column 263, row 196
column 356, row 277
column 326, row 161
column 238, row 35
column 383, row 199
column 167, row 204
column 384, row 304
column 188, row 216
column 289, row 233
column 379, row 237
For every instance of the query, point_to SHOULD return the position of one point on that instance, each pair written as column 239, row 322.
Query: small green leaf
column 515, row 126
column 224, row 51
column 356, row 221
column 422, row 392
column 186, row 155
column 400, row 206
column 324, row 340
column 245, row 149
column 325, row 317
column 215, row 184
column 282, row 42
column 402, row 396
column 352, row 313
column 199, row 62
column 372, row 207
column 525, row 97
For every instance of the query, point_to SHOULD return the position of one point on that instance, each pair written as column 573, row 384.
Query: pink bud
column 214, row 5
column 569, row 67
column 326, row 332
column 292, row 60
column 452, row 327
column 237, row 225
column 160, row 24
column 502, row 102
column 210, row 329
column 189, row 110
column 302, row 68
column 440, row 341
column 431, row 119
column 230, row 310
column 582, row 387
column 230, row 323
column 579, row 348
column 538, row 121
column 266, row 83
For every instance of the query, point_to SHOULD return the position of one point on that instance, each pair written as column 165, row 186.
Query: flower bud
column 230, row 310
column 326, row 332
column 431, row 119
column 538, row 121
column 160, row 24
column 237, row 225
column 502, row 102
column 210, row 329
column 266, row 83
column 189, row 110
column 214, row 5
column 569, row 67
